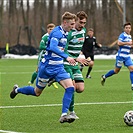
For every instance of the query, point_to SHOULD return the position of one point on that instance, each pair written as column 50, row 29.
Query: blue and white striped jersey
column 55, row 49
column 124, row 50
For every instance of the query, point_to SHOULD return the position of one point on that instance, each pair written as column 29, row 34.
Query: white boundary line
column 2, row 73
column 4, row 131
column 53, row 105
column 48, row 105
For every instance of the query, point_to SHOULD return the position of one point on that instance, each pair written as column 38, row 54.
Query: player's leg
column 90, row 66
column 53, row 83
column 131, row 77
column 69, row 91
column 33, row 77
column 64, row 79
column 41, row 83
column 129, row 64
column 27, row 90
column 79, row 87
column 110, row 73
column 89, row 69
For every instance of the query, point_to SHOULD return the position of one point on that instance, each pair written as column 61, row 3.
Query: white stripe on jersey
column 78, row 46
column 51, row 62
column 123, row 55
column 55, row 55
column 74, row 51
column 125, row 50
column 78, row 32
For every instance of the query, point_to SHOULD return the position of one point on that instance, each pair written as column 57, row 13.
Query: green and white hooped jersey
column 75, row 43
column 42, row 47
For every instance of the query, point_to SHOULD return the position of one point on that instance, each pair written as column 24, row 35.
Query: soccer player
column 52, row 66
column 73, row 48
column 42, row 48
column 88, row 50
column 125, row 43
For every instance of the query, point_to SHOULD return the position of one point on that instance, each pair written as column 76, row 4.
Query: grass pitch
column 100, row 108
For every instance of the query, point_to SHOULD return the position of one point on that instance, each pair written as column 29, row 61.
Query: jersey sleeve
column 69, row 37
column 96, row 44
column 53, row 45
column 43, row 42
column 121, row 38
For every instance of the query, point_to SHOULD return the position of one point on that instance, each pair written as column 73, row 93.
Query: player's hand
column 71, row 61
column 130, row 43
column 83, row 61
column 100, row 45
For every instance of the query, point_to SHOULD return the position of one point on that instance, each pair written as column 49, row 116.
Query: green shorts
column 74, row 72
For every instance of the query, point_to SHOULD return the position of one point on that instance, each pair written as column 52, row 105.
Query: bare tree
column 1, row 17
column 50, row 12
column 59, row 7
column 105, row 16
column 129, row 13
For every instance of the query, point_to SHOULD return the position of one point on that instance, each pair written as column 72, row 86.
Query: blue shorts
column 127, row 61
column 47, row 72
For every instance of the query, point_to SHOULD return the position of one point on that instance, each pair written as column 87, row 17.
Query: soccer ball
column 128, row 118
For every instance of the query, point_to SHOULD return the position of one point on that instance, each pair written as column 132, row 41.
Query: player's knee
column 80, row 90
column 130, row 68
column 38, row 94
column 116, row 72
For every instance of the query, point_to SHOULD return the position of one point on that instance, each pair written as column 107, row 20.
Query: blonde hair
column 68, row 16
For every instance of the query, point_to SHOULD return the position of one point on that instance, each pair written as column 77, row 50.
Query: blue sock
column 67, row 99
column 110, row 73
column 28, row 90
column 131, row 77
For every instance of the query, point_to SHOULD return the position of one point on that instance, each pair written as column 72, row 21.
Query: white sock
column 63, row 114
column 16, row 90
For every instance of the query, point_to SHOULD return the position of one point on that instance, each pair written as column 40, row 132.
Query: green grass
column 95, row 117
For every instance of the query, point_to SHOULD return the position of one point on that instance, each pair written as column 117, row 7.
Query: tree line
column 25, row 21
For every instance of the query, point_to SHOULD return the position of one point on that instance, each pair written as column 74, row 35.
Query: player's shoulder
column 84, row 29
column 56, row 32
column 122, row 35
column 45, row 35
column 94, row 37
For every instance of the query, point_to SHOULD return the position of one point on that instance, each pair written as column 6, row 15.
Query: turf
column 100, row 108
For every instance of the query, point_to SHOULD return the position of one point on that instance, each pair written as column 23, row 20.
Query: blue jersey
column 51, row 65
column 55, row 49
column 124, row 50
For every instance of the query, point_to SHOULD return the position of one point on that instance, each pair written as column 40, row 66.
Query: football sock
column 131, row 77
column 71, row 108
column 34, row 75
column 27, row 90
column 89, row 70
column 110, row 73
column 67, row 99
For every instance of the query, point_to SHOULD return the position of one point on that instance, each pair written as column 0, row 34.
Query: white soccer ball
column 128, row 118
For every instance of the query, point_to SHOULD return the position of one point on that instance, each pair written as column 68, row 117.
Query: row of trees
column 25, row 21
